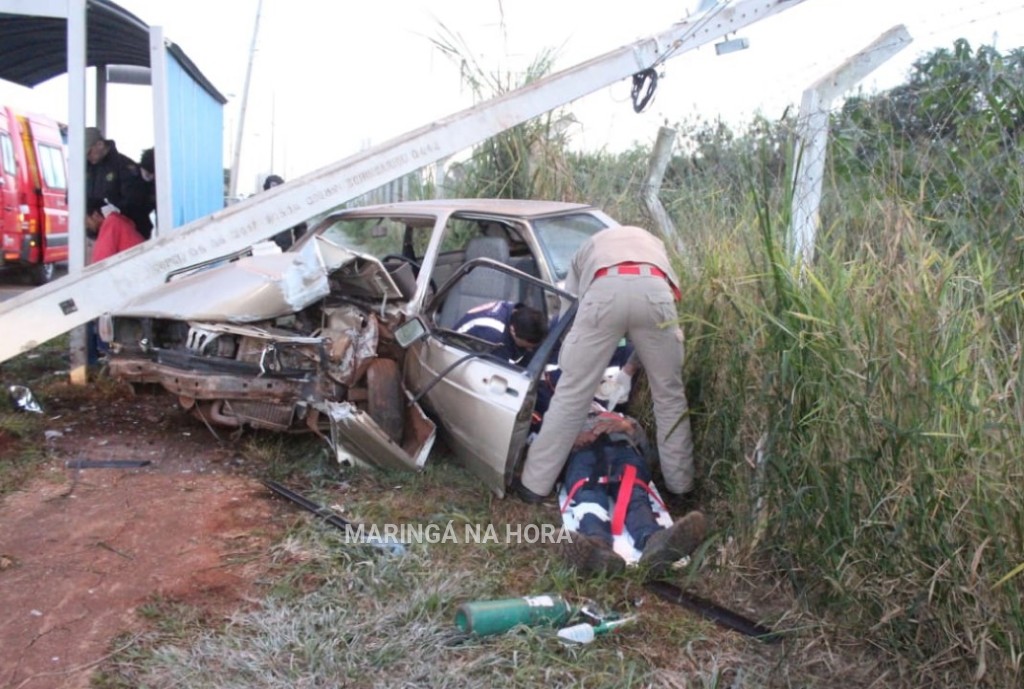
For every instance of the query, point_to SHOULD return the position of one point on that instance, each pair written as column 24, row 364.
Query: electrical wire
column 645, row 82
column 649, row 77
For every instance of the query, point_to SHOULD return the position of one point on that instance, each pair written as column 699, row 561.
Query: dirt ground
column 81, row 550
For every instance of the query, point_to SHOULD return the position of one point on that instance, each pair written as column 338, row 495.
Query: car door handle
column 498, row 385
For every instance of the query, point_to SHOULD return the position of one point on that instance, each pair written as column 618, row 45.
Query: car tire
column 384, row 398
column 42, row 273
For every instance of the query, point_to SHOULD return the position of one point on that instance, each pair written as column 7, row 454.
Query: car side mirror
column 413, row 330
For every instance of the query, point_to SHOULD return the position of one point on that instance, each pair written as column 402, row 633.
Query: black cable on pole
column 647, row 78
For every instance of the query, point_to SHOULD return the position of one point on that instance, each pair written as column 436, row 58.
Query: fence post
column 660, row 157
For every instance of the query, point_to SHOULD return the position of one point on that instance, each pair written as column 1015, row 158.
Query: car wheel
column 384, row 399
column 42, row 273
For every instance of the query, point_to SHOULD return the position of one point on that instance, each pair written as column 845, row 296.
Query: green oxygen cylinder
column 497, row 616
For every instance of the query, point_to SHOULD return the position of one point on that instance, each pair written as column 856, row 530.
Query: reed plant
column 861, row 418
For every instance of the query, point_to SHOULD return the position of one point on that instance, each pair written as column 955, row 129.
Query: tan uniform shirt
column 614, row 245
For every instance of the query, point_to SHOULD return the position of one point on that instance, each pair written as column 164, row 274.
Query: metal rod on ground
column 107, row 463
column 330, row 517
column 712, row 611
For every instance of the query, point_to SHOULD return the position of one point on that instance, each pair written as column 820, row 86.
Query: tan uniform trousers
column 642, row 308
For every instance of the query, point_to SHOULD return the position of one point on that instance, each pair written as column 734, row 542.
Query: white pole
column 812, row 129
column 233, row 190
column 76, row 189
column 161, row 132
column 47, row 311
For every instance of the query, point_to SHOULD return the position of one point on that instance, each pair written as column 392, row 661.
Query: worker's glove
column 109, row 208
column 618, row 389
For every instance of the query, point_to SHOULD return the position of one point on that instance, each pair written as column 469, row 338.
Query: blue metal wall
column 196, row 122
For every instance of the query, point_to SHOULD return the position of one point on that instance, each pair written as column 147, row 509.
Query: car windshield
column 373, row 236
column 561, row 236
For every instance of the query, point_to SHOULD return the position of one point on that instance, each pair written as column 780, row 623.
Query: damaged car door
column 483, row 402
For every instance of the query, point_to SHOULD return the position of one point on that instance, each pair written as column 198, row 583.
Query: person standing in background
column 113, row 177
column 147, row 170
column 285, row 238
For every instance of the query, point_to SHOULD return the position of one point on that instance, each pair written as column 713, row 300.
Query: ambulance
column 33, row 194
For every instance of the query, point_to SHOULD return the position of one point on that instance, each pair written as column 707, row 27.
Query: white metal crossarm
column 37, row 316
column 812, row 126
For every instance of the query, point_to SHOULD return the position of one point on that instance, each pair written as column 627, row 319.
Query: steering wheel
column 404, row 259
column 416, row 267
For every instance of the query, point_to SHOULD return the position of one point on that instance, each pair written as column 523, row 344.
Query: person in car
column 515, row 328
column 627, row 288
column 613, row 391
column 609, row 462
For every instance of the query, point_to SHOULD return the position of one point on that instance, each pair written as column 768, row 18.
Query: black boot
column 525, row 494
column 677, row 541
column 592, row 555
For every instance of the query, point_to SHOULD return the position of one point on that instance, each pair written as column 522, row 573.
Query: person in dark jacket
column 114, row 177
column 285, row 238
column 515, row 328
column 147, row 169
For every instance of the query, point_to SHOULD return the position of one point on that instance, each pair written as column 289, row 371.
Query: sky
column 330, row 78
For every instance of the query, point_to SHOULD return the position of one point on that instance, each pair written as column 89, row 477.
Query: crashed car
column 306, row 339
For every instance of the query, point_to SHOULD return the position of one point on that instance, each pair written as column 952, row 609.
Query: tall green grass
column 887, row 386
column 860, row 421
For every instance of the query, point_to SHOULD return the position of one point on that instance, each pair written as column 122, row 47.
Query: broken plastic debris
column 23, row 399
column 52, row 435
column 387, row 543
column 584, row 632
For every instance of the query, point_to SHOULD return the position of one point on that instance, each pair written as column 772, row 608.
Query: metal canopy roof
column 34, row 49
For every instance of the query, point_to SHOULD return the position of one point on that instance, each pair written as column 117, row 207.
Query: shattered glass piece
column 23, row 399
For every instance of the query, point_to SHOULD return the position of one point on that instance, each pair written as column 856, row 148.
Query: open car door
column 483, row 403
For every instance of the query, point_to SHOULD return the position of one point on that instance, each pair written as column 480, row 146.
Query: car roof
column 513, row 207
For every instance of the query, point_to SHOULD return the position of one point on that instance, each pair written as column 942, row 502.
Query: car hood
column 253, row 288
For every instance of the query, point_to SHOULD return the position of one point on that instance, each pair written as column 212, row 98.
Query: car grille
column 263, row 414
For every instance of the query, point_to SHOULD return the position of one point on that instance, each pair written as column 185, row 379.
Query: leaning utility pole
column 233, row 187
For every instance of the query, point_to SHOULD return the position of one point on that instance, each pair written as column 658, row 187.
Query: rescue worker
column 609, row 458
column 627, row 288
column 516, row 329
column 113, row 177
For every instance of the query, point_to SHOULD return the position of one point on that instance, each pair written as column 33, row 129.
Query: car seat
column 481, row 285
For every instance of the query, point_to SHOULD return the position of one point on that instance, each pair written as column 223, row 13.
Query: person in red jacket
column 113, row 232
